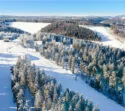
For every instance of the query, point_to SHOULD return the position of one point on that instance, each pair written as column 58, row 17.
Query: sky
column 62, row 7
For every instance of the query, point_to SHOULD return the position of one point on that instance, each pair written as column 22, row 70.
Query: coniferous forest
column 71, row 29
column 62, row 55
column 43, row 92
column 103, row 68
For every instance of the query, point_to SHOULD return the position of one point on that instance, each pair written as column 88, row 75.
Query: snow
column 108, row 39
column 7, row 59
column 30, row 27
column 123, row 18
column 6, row 98
column 11, row 50
column 8, row 56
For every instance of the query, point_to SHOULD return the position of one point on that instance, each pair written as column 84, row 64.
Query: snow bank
column 30, row 27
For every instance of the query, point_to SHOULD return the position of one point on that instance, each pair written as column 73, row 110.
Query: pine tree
column 123, row 77
column 70, row 108
column 62, row 62
column 55, row 95
column 73, row 64
column 95, row 108
column 26, row 107
column 22, row 78
column 38, row 99
column 69, row 62
column 57, row 59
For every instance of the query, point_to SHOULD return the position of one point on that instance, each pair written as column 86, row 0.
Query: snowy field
column 8, row 56
column 28, row 26
column 107, row 38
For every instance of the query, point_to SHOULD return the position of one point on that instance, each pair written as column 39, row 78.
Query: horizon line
column 64, row 15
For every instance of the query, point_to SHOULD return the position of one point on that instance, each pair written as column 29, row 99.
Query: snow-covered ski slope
column 30, row 27
column 6, row 98
column 8, row 56
column 108, row 39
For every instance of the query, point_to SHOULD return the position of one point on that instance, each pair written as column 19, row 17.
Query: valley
column 11, row 50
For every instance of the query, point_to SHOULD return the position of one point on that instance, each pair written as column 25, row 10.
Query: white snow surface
column 11, row 50
column 108, row 39
column 123, row 18
column 8, row 56
column 31, row 27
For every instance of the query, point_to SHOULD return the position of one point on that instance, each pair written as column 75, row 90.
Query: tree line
column 119, row 30
column 71, row 29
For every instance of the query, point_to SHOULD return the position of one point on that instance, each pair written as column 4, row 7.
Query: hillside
column 107, row 37
column 30, row 27
column 117, row 25
column 72, row 30
column 5, row 28
column 10, row 52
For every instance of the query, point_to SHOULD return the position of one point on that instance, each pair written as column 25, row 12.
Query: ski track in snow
column 8, row 56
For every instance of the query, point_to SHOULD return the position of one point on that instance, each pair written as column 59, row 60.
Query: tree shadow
column 104, row 38
column 5, row 55
column 31, row 57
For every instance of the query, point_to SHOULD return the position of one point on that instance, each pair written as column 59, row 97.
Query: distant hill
column 71, row 29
